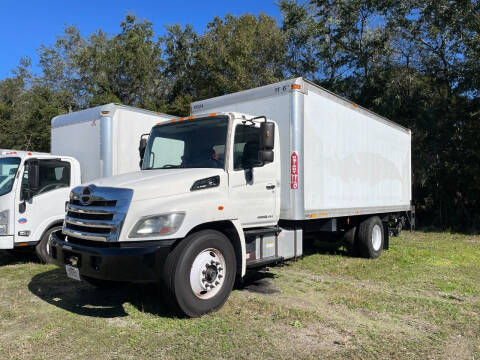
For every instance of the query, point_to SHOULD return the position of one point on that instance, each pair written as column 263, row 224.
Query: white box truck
column 85, row 145
column 237, row 185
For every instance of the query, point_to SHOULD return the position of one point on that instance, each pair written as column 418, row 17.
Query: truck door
column 46, row 204
column 253, row 186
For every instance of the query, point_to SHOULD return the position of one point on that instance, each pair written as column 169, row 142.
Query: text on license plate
column 72, row 272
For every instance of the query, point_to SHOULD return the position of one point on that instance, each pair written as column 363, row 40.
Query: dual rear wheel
column 367, row 239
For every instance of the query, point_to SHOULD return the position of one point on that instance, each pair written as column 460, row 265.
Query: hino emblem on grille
column 86, row 198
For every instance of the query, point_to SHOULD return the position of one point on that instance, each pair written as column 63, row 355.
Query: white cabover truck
column 237, row 185
column 85, row 145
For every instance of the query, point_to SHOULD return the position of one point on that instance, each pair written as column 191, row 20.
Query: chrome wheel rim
column 207, row 274
column 376, row 237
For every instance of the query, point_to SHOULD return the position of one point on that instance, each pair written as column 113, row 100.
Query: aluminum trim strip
column 297, row 145
column 330, row 213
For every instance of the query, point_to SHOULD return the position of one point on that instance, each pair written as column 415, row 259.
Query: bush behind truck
column 237, row 185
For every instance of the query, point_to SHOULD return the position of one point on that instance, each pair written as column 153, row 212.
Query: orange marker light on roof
column 355, row 105
column 212, row 114
column 296, row 86
column 191, row 117
column 220, row 208
column 105, row 112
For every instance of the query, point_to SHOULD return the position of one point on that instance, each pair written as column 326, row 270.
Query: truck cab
column 212, row 177
column 33, row 190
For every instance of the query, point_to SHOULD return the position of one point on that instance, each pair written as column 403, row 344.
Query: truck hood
column 149, row 184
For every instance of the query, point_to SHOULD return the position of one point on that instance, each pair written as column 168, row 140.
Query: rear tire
column 371, row 237
column 42, row 248
column 350, row 241
column 199, row 273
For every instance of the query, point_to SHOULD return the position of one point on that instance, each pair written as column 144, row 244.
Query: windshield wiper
column 168, row 166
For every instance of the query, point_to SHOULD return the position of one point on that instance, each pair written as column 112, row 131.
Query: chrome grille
column 96, row 213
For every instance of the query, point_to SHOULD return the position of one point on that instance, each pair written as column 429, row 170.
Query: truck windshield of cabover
column 8, row 170
column 187, row 144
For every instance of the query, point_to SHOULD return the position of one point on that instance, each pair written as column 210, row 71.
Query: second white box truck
column 238, row 184
column 85, row 145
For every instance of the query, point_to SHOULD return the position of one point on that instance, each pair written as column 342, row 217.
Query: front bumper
column 138, row 262
column 6, row 242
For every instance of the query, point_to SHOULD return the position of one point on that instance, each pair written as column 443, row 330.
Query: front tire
column 371, row 237
column 200, row 272
column 42, row 248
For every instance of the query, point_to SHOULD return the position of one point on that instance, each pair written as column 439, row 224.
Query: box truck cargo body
column 103, row 138
column 87, row 144
column 349, row 161
column 241, row 183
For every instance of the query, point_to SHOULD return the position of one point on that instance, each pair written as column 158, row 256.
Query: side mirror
column 265, row 156
column 267, row 142
column 33, row 176
column 141, row 147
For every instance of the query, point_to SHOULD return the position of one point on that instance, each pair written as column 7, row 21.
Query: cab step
column 265, row 261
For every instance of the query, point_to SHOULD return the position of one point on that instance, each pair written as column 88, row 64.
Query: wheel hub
column 207, row 274
column 376, row 237
column 211, row 273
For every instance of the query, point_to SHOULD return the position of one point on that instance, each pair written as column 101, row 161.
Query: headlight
column 4, row 222
column 166, row 224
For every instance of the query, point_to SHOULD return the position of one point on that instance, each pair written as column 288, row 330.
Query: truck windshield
column 188, row 144
column 8, row 170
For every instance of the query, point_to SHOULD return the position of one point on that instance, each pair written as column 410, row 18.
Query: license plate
column 72, row 272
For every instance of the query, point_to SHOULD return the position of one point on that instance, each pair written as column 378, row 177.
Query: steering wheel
column 47, row 187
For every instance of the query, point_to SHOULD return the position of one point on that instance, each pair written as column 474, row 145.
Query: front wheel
column 42, row 249
column 200, row 272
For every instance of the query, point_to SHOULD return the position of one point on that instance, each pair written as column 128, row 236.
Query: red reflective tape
column 294, row 171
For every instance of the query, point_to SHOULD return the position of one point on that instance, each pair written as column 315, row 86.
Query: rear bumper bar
column 134, row 262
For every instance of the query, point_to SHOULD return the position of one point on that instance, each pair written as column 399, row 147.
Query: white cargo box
column 104, row 139
column 338, row 159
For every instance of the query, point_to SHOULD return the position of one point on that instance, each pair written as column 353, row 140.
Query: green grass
column 421, row 299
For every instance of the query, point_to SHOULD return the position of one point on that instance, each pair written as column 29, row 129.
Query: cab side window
column 54, row 174
column 246, row 146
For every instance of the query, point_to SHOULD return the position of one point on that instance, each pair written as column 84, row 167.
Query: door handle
column 270, row 187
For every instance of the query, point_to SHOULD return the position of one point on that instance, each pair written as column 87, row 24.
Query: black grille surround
column 96, row 213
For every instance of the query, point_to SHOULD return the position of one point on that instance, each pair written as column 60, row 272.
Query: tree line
column 416, row 62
